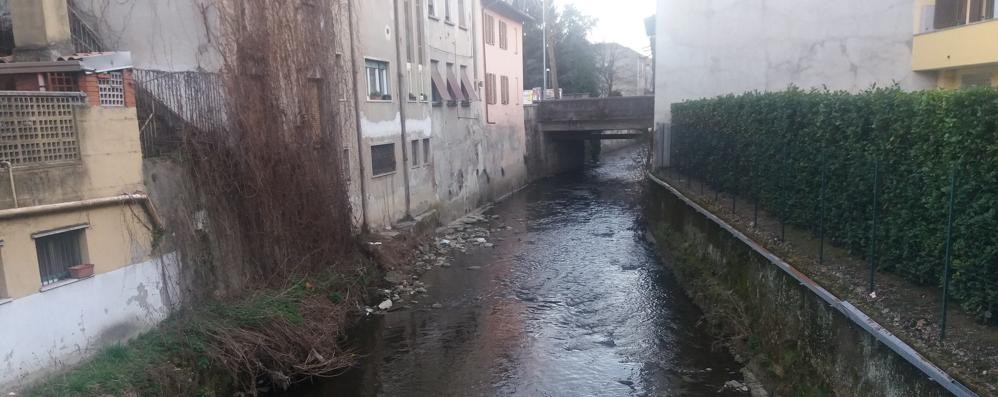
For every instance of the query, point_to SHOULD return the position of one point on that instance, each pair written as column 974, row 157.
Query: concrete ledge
column 848, row 310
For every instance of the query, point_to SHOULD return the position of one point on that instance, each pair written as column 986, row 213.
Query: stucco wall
column 816, row 341
column 47, row 332
column 161, row 35
column 709, row 48
column 111, row 163
column 117, row 236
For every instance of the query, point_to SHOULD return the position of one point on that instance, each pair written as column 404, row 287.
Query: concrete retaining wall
column 49, row 331
column 811, row 341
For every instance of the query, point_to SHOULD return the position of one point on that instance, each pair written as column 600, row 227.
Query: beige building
column 77, row 270
column 957, row 41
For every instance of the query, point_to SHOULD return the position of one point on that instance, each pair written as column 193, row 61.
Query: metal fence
column 85, row 38
column 39, row 127
column 169, row 102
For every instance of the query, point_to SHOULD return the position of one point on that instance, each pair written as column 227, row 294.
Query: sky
column 619, row 21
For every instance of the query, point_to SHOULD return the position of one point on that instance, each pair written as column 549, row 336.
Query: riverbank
column 806, row 338
column 268, row 338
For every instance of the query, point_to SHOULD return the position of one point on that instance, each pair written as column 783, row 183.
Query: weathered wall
column 815, row 346
column 111, row 163
column 170, row 35
column 709, row 48
column 44, row 333
column 117, row 236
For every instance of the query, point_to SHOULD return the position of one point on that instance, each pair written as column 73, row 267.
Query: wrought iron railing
column 38, row 128
column 85, row 37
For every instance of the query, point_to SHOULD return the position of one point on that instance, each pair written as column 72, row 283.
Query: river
column 571, row 301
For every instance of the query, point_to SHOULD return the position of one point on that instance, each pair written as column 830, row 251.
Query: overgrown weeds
column 273, row 338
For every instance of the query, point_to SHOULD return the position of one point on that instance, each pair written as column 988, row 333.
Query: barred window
column 56, row 253
column 383, row 159
column 111, row 86
column 62, row 82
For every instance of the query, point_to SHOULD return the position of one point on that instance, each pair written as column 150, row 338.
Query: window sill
column 379, row 100
column 5, row 301
column 449, row 22
column 463, row 27
column 433, row 17
column 62, row 283
column 387, row 174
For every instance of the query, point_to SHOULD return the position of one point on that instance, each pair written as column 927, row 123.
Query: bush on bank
column 805, row 155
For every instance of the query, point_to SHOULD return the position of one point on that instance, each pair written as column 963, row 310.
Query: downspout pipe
column 127, row 198
column 10, row 174
column 402, row 97
column 356, row 118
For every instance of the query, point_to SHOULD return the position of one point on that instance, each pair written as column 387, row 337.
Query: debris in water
column 387, row 304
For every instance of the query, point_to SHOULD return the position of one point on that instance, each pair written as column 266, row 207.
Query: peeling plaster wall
column 47, row 332
column 709, row 48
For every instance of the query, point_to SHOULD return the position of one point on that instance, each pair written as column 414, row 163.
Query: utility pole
column 544, row 46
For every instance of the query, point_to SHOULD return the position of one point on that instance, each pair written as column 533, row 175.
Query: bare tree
column 607, row 69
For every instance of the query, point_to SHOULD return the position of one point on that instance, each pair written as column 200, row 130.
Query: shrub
column 776, row 147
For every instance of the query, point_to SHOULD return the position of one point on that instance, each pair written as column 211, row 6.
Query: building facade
column 705, row 49
column 78, row 270
column 623, row 71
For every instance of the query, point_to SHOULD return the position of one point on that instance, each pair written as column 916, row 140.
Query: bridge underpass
column 596, row 118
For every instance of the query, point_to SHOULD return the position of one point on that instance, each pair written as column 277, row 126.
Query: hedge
column 776, row 148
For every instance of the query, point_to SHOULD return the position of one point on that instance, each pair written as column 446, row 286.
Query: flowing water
column 571, row 301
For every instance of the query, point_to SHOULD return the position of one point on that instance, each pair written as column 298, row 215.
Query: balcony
column 957, row 34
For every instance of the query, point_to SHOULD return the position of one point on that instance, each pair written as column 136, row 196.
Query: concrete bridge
column 596, row 118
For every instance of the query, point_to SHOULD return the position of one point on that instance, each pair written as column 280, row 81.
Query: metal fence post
column 948, row 256
column 873, row 230
column 821, row 214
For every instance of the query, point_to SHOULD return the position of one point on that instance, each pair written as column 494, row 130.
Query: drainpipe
column 127, row 198
column 10, row 174
column 402, row 100
column 485, row 70
column 356, row 117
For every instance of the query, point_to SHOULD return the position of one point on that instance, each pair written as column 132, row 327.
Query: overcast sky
column 620, row 21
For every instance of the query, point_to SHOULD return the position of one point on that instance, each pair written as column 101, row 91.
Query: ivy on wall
column 778, row 147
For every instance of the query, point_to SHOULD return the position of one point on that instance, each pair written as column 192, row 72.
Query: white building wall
column 710, row 48
column 46, row 332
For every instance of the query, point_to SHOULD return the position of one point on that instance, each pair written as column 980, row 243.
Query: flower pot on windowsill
column 81, row 271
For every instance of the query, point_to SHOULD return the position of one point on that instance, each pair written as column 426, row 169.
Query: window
column 467, row 87
column 490, row 88
column 377, row 80
column 3, row 281
column 419, row 34
column 57, row 251
column 426, row 150
column 949, row 13
column 503, row 39
column 415, row 153
column 431, row 6
column 111, row 88
column 453, row 86
column 461, row 19
column 975, row 80
column 447, row 10
column 62, row 82
column 383, row 159
column 504, row 88
column 518, row 89
column 408, row 31
column 440, row 92
column 489, row 30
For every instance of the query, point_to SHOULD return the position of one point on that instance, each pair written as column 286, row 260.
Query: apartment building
column 77, row 265
column 957, row 42
column 705, row 49
column 623, row 71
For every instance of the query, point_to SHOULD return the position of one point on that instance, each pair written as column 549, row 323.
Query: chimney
column 41, row 29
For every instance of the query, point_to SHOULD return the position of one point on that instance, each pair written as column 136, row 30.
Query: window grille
column 111, row 86
column 56, row 253
column 62, row 82
column 382, row 159
column 38, row 128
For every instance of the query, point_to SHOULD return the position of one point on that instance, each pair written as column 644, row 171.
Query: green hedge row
column 777, row 147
